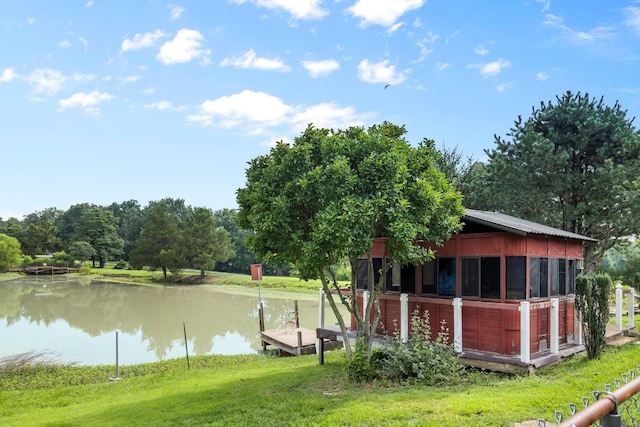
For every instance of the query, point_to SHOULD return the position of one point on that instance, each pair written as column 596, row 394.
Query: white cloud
column 327, row 115
column 246, row 106
column 321, row 68
column 481, row 50
column 633, row 18
column 64, row 44
column 504, row 86
column 418, row 22
column 299, row 9
column 382, row 12
column 87, row 102
column 149, row 91
column 141, row 41
column 595, row 34
column 546, row 4
column 250, row 60
column 48, row 81
column 175, row 10
column 542, row 76
column 424, row 44
column 7, row 75
column 184, row 47
column 130, row 79
column 30, row 21
column 84, row 42
column 380, row 72
column 392, row 29
column 89, row 3
column 165, row 106
column 441, row 66
column 491, row 69
column 259, row 113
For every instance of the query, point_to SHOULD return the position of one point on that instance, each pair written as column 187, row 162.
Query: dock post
column 299, row 342
column 295, row 309
column 261, row 316
column 320, row 341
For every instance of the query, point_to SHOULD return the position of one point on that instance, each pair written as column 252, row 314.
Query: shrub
column 84, row 270
column 420, row 360
column 122, row 265
column 592, row 304
column 359, row 369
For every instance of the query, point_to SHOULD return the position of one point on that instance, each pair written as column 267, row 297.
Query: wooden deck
column 296, row 341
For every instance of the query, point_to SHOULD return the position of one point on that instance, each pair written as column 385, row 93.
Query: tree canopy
column 330, row 194
column 9, row 252
column 574, row 164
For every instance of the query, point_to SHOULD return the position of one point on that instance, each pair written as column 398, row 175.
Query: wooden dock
column 296, row 341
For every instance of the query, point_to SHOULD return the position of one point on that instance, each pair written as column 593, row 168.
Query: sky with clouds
column 107, row 101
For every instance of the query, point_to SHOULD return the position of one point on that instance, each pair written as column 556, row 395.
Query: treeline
column 166, row 234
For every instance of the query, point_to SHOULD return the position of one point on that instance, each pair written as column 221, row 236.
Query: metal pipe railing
column 609, row 402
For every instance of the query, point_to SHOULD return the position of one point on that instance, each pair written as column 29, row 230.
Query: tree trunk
column 164, row 272
column 202, row 273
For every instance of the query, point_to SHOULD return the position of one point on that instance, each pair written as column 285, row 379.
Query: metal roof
column 518, row 226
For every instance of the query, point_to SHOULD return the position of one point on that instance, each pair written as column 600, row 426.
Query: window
column 363, row 272
column 480, row 277
column 516, row 277
column 429, row 283
column 571, row 279
column 401, row 278
column 447, row 277
column 554, row 277
column 408, row 279
column 538, row 277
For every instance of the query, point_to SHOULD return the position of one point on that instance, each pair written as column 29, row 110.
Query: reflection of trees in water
column 156, row 313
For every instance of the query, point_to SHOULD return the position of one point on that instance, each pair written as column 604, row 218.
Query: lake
column 76, row 320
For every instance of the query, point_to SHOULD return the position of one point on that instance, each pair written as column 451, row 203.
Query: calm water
column 77, row 320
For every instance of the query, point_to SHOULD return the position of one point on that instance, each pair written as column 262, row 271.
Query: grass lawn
column 267, row 391
column 145, row 276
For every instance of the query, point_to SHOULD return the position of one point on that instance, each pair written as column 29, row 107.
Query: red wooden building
column 504, row 287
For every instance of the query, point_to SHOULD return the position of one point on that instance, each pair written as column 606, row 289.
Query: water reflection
column 78, row 320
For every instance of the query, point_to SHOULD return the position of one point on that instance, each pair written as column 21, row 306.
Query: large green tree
column 202, row 243
column 575, row 165
column 40, row 232
column 98, row 227
column 130, row 217
column 330, row 194
column 157, row 245
column 9, row 252
column 243, row 258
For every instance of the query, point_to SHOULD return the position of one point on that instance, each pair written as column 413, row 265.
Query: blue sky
column 110, row 100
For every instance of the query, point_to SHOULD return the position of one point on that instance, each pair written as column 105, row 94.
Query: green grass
column 145, row 276
column 261, row 390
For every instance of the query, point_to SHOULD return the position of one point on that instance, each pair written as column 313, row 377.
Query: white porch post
column 404, row 317
column 365, row 302
column 554, row 342
column 457, row 325
column 632, row 299
column 619, row 307
column 577, row 327
column 525, row 331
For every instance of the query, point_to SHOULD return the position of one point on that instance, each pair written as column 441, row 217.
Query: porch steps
column 620, row 337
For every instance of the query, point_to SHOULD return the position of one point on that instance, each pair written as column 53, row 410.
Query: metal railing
column 609, row 408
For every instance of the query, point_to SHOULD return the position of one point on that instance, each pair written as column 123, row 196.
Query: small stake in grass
column 186, row 348
column 117, row 377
